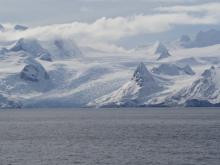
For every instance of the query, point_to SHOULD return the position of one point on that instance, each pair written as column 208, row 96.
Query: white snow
column 81, row 75
column 133, row 93
column 172, row 70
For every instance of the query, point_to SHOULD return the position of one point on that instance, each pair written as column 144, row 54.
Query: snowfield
column 57, row 72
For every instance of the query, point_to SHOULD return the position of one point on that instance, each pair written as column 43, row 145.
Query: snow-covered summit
column 32, row 47
column 162, row 51
column 134, row 93
column 142, row 76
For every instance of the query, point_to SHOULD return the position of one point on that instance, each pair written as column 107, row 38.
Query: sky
column 125, row 22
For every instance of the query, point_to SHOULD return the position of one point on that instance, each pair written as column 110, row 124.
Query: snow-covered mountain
column 205, row 88
column 34, row 72
column 207, row 38
column 32, row 47
column 63, row 49
column 202, row 39
column 133, row 93
column 56, row 72
column 162, row 51
column 172, row 70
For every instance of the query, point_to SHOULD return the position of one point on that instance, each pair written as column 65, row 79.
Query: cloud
column 110, row 30
column 211, row 8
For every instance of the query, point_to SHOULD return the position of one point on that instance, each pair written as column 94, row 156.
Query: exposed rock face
column 32, row 47
column 162, row 51
column 34, row 72
column 142, row 76
column 134, row 93
column 20, row 27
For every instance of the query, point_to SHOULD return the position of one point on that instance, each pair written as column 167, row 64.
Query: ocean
column 110, row 136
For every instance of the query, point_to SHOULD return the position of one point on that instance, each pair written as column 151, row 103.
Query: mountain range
column 57, row 72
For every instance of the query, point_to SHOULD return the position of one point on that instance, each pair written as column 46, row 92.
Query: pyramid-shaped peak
column 142, row 75
column 162, row 51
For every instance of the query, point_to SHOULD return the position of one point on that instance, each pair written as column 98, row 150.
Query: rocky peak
column 142, row 75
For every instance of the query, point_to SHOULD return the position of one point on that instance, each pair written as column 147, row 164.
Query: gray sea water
column 110, row 137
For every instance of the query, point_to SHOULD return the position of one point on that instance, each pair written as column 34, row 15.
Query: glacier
column 57, row 71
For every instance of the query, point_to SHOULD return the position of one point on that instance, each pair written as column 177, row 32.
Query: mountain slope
column 206, row 87
column 32, row 47
column 172, row 70
column 134, row 93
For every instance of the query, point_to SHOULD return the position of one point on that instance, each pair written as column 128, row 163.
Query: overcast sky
column 35, row 12
column 144, row 20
